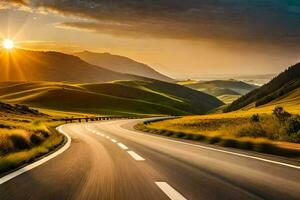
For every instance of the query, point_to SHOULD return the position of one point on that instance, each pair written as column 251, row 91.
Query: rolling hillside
column 17, row 109
column 116, row 98
column 122, row 64
column 226, row 90
column 25, row 65
column 283, row 89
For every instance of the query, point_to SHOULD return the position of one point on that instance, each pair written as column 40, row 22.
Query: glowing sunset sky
column 190, row 38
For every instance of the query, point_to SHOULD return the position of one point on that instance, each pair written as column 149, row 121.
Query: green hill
column 25, row 65
column 122, row 64
column 225, row 90
column 117, row 98
column 283, row 88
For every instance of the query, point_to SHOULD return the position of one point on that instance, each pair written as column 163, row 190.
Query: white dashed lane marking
column 136, row 156
column 170, row 191
column 122, row 146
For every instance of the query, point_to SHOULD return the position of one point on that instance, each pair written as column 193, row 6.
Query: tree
column 281, row 114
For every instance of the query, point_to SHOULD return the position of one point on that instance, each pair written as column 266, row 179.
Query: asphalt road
column 109, row 160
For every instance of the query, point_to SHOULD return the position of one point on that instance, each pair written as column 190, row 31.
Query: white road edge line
column 122, row 146
column 113, row 140
column 170, row 191
column 39, row 162
column 136, row 156
column 224, row 151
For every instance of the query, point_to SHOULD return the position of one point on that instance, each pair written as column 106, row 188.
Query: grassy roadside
column 22, row 140
column 265, row 134
column 258, row 145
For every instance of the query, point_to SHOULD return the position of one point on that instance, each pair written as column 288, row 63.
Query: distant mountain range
column 122, row 64
column 284, row 89
column 25, row 65
column 225, row 90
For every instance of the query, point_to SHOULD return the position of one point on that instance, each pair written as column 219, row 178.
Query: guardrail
column 159, row 119
column 91, row 119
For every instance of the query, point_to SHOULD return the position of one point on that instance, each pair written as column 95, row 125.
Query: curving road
column 109, row 160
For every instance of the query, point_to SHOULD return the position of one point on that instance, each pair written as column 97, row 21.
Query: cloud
column 271, row 21
column 8, row 4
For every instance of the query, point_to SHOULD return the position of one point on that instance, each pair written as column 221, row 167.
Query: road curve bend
column 110, row 160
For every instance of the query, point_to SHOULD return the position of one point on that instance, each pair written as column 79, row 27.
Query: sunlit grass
column 228, row 98
column 96, row 98
column 187, row 82
column 234, row 129
column 25, row 137
column 16, row 159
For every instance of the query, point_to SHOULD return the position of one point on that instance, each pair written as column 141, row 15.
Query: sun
column 8, row 44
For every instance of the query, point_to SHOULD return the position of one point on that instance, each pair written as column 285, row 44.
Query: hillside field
column 25, row 136
column 110, row 98
column 225, row 90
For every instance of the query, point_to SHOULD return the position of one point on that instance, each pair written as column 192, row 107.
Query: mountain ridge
column 122, row 64
column 284, row 83
column 28, row 65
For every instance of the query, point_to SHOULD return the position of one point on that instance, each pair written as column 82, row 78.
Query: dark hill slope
column 281, row 85
column 17, row 109
column 25, row 65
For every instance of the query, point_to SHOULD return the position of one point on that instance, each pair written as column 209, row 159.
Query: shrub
column 162, row 132
column 168, row 133
column 199, row 137
column 245, row 144
column 255, row 118
column 180, row 135
column 228, row 142
column 264, row 147
column 251, row 130
column 36, row 140
column 5, row 126
column 281, row 114
column 214, row 139
column 295, row 137
column 44, row 133
column 188, row 136
column 19, row 142
column 293, row 125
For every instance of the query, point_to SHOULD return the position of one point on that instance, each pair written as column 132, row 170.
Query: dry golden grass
column 228, row 129
column 16, row 159
column 24, row 138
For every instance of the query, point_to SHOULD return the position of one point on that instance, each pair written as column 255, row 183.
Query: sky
column 183, row 39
